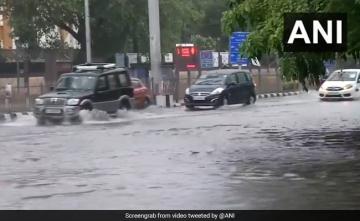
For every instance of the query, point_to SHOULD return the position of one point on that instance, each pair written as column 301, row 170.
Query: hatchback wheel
column 251, row 100
column 225, row 101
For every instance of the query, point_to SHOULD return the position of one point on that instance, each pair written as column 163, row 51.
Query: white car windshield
column 343, row 76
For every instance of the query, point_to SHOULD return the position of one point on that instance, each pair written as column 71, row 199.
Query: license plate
column 53, row 111
column 199, row 98
column 333, row 93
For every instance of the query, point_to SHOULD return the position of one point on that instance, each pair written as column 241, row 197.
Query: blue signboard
column 206, row 59
column 236, row 41
column 330, row 66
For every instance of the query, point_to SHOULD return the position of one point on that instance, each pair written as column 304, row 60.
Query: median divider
column 282, row 94
column 261, row 96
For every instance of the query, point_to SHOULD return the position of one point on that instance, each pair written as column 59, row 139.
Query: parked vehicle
column 91, row 86
column 141, row 94
column 221, row 87
column 341, row 84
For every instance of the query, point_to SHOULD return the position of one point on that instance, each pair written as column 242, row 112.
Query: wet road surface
column 282, row 153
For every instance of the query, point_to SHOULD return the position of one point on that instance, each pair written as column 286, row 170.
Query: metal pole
column 155, row 46
column 17, row 75
column 88, row 32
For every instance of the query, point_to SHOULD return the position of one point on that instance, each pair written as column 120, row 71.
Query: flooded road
column 282, row 153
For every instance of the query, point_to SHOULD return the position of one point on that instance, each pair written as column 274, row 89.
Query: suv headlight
column 217, row 91
column 187, row 91
column 39, row 101
column 349, row 86
column 73, row 102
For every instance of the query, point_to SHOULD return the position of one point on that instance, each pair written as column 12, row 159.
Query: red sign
column 187, row 58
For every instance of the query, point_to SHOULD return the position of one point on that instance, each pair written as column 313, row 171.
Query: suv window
column 249, row 77
column 124, row 80
column 102, row 84
column 242, row 77
column 113, row 82
column 232, row 79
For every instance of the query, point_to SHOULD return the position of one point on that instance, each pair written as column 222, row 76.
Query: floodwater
column 282, row 153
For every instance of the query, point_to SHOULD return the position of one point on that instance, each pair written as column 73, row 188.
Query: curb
column 284, row 94
column 261, row 96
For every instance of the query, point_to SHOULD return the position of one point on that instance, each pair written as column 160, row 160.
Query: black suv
column 90, row 86
column 221, row 87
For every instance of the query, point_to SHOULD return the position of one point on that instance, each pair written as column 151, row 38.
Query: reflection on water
column 306, row 169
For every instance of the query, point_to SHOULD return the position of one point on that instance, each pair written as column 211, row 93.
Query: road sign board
column 330, row 66
column 187, row 57
column 206, row 59
column 236, row 41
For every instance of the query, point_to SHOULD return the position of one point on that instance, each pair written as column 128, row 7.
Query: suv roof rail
column 94, row 66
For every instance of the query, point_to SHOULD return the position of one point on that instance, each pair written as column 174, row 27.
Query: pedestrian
column 303, row 83
column 8, row 95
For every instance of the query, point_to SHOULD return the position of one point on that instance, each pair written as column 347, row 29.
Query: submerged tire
column 189, row 107
column 76, row 120
column 147, row 103
column 57, row 122
column 125, row 105
column 40, row 121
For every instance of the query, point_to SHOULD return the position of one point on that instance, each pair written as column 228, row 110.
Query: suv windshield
column 343, row 76
column 211, row 80
column 76, row 83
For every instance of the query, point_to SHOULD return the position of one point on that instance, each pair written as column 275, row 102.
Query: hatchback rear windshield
column 343, row 76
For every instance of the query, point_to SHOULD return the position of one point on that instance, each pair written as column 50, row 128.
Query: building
column 6, row 42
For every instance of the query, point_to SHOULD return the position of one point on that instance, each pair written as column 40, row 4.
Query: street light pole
column 88, row 32
column 155, row 46
column 17, row 64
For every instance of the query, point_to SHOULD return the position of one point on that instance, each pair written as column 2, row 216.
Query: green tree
column 112, row 21
column 352, row 9
column 117, row 25
column 204, row 43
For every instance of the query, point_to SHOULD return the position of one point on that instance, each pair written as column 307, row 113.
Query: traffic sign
column 237, row 39
column 330, row 66
column 206, row 59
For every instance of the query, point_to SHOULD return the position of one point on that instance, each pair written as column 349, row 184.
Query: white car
column 341, row 84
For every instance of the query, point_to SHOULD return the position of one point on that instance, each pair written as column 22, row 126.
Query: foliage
column 204, row 43
column 352, row 9
column 117, row 25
